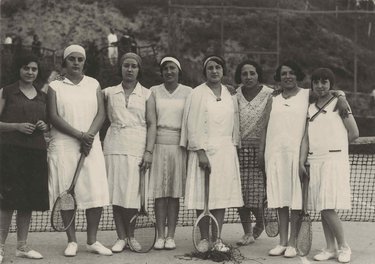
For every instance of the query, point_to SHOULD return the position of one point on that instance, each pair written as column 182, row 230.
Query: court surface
column 360, row 236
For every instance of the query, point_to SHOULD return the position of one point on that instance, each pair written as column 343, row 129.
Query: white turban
column 74, row 48
column 171, row 59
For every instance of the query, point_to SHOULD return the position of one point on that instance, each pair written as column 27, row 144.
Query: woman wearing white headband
column 76, row 112
column 210, row 132
column 126, row 147
column 168, row 170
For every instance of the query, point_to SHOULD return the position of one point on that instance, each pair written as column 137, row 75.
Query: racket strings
column 271, row 223
column 63, row 212
column 144, row 234
column 304, row 238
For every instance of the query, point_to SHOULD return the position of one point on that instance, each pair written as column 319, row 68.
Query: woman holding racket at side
column 76, row 111
column 23, row 155
column 168, row 170
column 252, row 100
column 210, row 132
column 132, row 117
column 281, row 141
column 328, row 159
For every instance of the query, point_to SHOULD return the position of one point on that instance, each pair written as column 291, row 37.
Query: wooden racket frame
column 69, row 191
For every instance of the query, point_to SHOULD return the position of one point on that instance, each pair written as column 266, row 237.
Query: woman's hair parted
column 258, row 69
column 294, row 66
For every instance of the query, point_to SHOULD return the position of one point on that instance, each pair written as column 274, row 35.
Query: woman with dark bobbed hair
column 168, row 170
column 76, row 112
column 210, row 131
column 23, row 155
column 128, row 144
column 252, row 99
column 281, row 142
column 328, row 158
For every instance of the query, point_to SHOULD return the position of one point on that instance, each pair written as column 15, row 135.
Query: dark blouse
column 20, row 109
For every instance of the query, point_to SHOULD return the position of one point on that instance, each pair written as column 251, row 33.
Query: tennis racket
column 144, row 225
column 270, row 216
column 65, row 206
column 206, row 226
column 304, row 237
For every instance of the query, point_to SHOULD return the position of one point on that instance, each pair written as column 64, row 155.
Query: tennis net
column 362, row 160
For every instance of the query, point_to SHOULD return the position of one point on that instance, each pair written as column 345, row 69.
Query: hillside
column 312, row 40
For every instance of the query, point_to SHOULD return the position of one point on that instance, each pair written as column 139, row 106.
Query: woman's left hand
column 146, row 161
column 41, row 125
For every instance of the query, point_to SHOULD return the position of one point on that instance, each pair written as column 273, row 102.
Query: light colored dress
column 285, row 130
column 252, row 123
column 125, row 143
column 77, row 105
column 168, row 169
column 225, row 182
column 329, row 186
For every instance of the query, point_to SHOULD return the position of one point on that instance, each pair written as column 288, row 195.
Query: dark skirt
column 252, row 182
column 23, row 178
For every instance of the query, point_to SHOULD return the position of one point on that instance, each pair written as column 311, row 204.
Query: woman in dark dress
column 23, row 157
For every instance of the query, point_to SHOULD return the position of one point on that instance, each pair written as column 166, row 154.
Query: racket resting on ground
column 144, row 225
column 304, row 235
column 203, row 241
column 65, row 206
column 270, row 217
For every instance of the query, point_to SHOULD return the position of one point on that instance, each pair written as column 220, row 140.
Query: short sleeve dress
column 168, row 169
column 77, row 105
column 252, row 123
column 329, row 186
column 23, row 158
column 125, row 143
column 285, row 130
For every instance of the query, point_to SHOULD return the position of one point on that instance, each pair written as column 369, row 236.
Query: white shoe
column 99, row 249
column 277, row 251
column 71, row 249
column 203, row 246
column 220, row 246
column 134, row 244
column 26, row 252
column 344, row 254
column 325, row 255
column 119, row 245
column 290, row 252
column 169, row 243
column 159, row 244
column 246, row 239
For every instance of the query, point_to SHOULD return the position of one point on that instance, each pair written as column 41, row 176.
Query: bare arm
column 151, row 132
column 262, row 141
column 304, row 151
column 351, row 126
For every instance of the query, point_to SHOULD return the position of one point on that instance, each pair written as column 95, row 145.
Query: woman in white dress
column 132, row 117
column 168, row 170
column 76, row 112
column 252, row 100
column 328, row 158
column 281, row 141
column 210, row 132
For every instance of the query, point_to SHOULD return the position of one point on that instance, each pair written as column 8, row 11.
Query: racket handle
column 206, row 188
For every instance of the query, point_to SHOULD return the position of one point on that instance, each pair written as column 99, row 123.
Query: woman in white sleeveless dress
column 125, row 148
column 210, row 132
column 76, row 111
column 168, row 170
column 252, row 100
column 327, row 155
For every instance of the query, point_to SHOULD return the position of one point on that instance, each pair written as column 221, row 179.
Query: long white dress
column 77, row 105
column 168, row 169
column 125, row 143
column 329, row 186
column 225, row 182
column 285, row 130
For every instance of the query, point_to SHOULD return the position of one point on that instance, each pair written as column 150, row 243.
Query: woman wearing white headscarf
column 168, row 170
column 76, row 112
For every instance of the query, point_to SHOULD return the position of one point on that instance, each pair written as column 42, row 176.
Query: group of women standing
column 173, row 131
